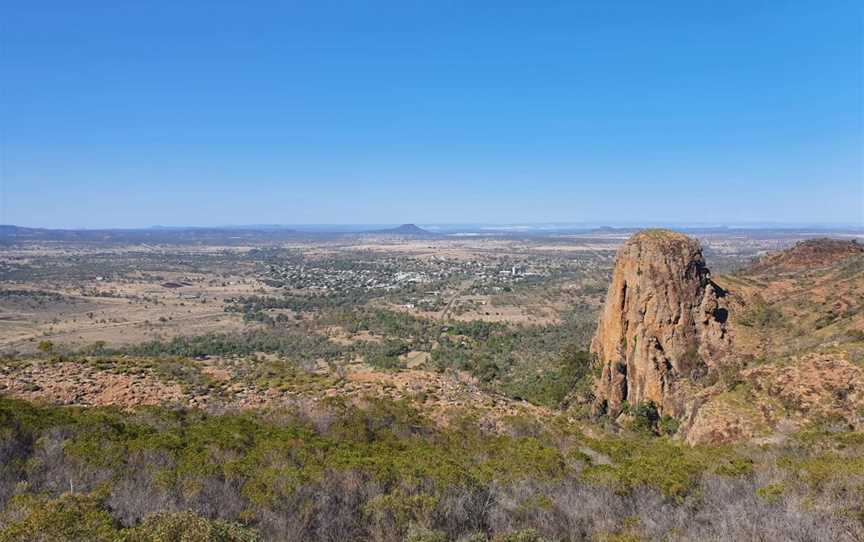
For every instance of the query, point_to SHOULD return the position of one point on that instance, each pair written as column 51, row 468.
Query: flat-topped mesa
column 662, row 323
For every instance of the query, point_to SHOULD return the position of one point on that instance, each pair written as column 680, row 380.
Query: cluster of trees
column 32, row 299
column 294, row 344
column 296, row 303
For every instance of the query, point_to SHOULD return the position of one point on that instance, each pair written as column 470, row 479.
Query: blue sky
column 211, row 113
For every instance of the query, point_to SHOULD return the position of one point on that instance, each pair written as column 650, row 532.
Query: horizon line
column 550, row 225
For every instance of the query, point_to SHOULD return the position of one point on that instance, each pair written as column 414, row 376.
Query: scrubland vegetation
column 541, row 364
column 383, row 472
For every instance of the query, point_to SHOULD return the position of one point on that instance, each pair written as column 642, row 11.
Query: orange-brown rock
column 663, row 323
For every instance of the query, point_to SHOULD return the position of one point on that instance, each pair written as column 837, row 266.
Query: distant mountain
column 10, row 234
column 406, row 230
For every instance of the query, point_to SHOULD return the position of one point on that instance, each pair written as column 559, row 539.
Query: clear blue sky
column 206, row 113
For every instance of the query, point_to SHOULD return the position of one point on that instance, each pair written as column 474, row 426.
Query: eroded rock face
column 663, row 323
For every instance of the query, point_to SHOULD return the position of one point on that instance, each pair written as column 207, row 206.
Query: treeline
column 296, row 303
column 293, row 344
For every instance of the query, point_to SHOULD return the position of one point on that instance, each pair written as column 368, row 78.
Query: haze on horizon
column 120, row 115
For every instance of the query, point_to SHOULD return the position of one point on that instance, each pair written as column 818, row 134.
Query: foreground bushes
column 383, row 473
column 85, row 517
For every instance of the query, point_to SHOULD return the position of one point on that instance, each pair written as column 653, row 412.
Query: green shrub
column 668, row 425
column 527, row 535
column 645, row 417
column 855, row 334
column 819, row 469
column 771, row 493
column 672, row 467
column 69, row 518
column 401, row 510
column 186, row 527
column 421, row 534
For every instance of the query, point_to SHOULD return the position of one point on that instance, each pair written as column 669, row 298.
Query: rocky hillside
column 789, row 303
column 775, row 348
column 797, row 318
column 808, row 254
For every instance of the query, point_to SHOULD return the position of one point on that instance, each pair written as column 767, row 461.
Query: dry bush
column 50, row 469
column 137, row 493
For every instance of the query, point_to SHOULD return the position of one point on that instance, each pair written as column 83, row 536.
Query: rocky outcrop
column 663, row 324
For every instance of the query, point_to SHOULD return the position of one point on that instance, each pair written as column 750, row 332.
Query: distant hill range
column 10, row 235
column 406, row 230
column 227, row 235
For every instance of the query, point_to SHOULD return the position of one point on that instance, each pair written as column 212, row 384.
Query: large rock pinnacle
column 662, row 323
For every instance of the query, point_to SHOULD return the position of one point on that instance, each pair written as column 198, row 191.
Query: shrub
column 553, row 381
column 186, row 527
column 421, row 534
column 673, row 468
column 386, row 473
column 668, row 425
column 399, row 511
column 771, row 493
column 66, row 518
column 855, row 334
column 645, row 417
column 527, row 535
